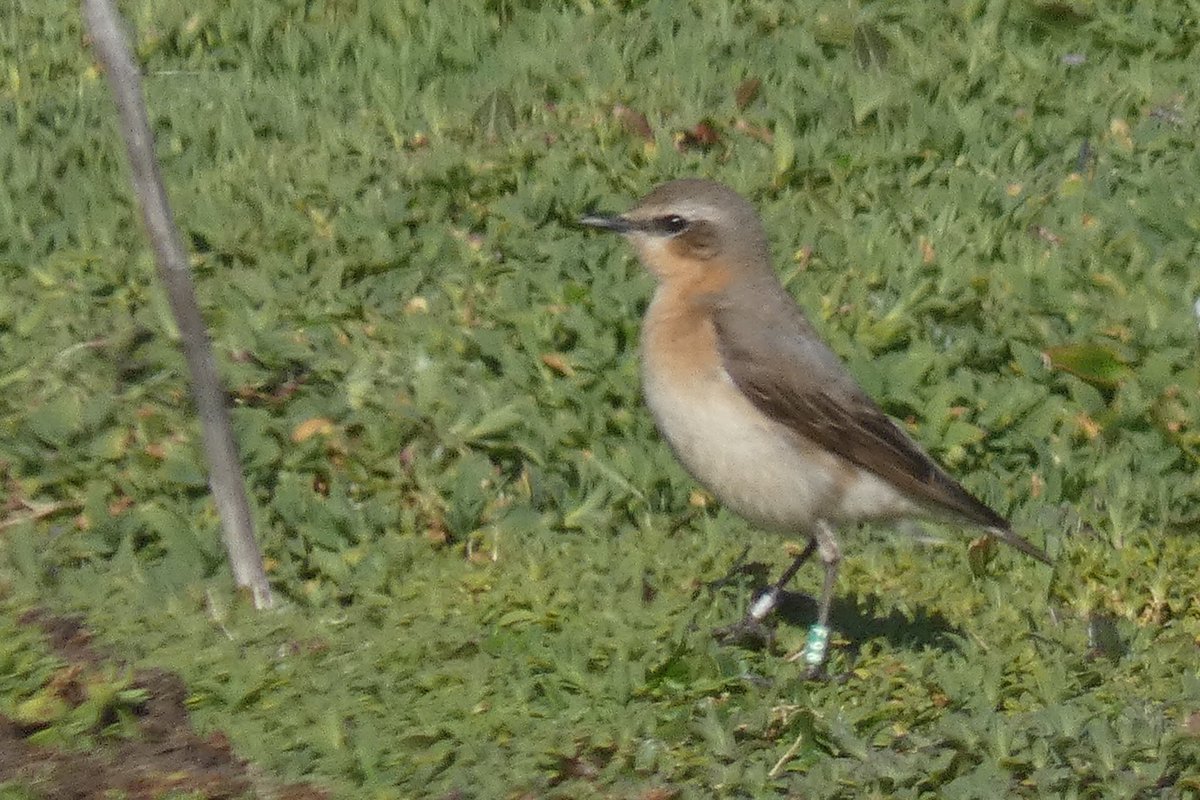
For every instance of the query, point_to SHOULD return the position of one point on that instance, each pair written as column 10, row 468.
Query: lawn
column 492, row 573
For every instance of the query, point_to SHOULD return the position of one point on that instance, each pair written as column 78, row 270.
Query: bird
column 758, row 408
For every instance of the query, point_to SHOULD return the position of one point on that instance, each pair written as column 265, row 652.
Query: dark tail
column 1006, row 534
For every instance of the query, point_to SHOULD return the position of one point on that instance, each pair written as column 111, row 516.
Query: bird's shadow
column 856, row 617
column 860, row 618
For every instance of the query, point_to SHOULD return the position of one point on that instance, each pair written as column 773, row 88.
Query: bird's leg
column 751, row 627
column 818, row 635
column 767, row 601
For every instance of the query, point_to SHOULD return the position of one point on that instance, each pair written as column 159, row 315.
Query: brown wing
column 782, row 366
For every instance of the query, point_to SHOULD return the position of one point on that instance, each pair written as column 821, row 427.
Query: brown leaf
column 120, row 505
column 312, row 427
column 1119, row 130
column 649, row 592
column 764, row 135
column 706, row 135
column 67, row 684
column 634, row 122
column 980, row 551
column 746, row 93
column 702, row 137
column 408, row 457
column 660, row 793
column 928, row 256
column 16, row 499
column 579, row 768
column 1090, row 428
column 436, row 534
column 558, row 363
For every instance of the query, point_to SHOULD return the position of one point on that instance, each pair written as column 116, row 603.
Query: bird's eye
column 671, row 224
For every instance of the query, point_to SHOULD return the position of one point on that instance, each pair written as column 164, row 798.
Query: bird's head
column 693, row 231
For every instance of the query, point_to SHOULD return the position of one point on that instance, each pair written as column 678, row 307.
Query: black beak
column 614, row 223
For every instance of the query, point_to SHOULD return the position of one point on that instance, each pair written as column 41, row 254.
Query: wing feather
column 794, row 378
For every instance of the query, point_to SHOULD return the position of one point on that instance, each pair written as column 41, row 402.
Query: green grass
column 489, row 560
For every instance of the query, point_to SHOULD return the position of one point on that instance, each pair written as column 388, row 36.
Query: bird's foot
column 819, row 673
column 747, row 632
column 812, row 672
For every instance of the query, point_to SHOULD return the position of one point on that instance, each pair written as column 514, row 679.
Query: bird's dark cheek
column 693, row 247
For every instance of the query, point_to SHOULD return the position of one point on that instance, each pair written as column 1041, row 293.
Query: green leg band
column 814, row 646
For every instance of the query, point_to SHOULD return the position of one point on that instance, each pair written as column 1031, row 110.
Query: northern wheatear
column 756, row 406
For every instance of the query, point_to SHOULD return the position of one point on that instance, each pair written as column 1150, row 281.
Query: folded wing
column 794, row 378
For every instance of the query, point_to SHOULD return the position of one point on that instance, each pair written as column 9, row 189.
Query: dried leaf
column 1090, row 428
column 1119, row 129
column 702, row 137
column 980, row 552
column 928, row 256
column 746, row 92
column 634, row 122
column 312, row 427
column 558, row 363
column 763, row 135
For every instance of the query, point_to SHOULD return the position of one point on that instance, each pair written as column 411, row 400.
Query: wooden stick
column 111, row 47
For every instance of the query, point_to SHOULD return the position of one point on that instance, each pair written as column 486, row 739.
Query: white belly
column 757, row 467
